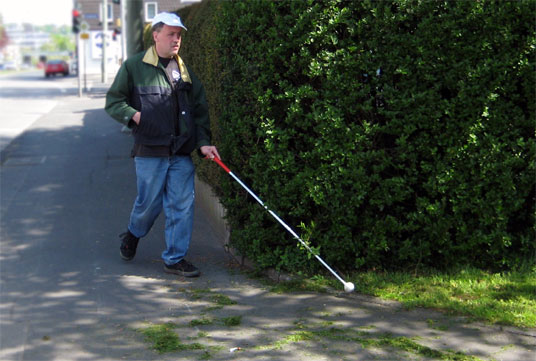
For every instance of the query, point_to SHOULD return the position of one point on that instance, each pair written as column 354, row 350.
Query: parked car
column 54, row 67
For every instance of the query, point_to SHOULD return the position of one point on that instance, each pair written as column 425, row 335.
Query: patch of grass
column 194, row 346
column 219, row 300
column 212, row 308
column 201, row 322
column 436, row 326
column 207, row 355
column 294, row 337
column 318, row 285
column 409, row 345
column 507, row 298
column 197, row 293
column 231, row 321
column 367, row 340
column 222, row 300
column 368, row 327
column 227, row 321
column 210, row 351
column 402, row 343
column 507, row 347
column 164, row 339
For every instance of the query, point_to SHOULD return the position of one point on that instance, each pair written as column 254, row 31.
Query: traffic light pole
column 104, row 42
column 78, row 72
column 76, row 30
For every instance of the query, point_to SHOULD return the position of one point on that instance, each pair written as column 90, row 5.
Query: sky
column 37, row 12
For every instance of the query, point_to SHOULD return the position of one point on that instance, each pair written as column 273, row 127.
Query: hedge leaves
column 391, row 134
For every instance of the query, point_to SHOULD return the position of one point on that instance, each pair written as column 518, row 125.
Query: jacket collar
column 151, row 57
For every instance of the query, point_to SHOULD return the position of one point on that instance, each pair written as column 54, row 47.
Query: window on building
column 151, row 9
column 109, row 15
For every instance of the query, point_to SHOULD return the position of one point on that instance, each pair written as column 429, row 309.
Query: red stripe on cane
column 220, row 163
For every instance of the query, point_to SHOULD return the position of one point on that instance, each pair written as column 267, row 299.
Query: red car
column 54, row 67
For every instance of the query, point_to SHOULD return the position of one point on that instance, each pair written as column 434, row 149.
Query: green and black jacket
column 142, row 85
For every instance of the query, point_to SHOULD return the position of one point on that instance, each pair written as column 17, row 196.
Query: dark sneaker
column 129, row 243
column 183, row 268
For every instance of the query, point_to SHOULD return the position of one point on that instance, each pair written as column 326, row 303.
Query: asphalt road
column 25, row 97
column 67, row 187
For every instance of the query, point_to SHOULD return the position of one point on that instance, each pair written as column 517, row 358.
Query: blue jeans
column 166, row 182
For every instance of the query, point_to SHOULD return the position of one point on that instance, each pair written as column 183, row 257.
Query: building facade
column 91, row 43
column 24, row 44
column 92, row 11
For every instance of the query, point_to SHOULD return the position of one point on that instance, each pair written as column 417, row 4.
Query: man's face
column 167, row 41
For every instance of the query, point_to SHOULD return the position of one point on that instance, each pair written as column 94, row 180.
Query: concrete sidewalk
column 67, row 188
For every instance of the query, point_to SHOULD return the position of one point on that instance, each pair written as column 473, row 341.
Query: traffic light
column 76, row 21
column 115, row 33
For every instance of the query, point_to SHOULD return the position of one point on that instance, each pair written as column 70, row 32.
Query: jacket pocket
column 156, row 113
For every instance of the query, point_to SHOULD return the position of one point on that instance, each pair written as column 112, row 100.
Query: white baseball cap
column 170, row 19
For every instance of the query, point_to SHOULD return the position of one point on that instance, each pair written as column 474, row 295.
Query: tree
column 59, row 42
column 4, row 39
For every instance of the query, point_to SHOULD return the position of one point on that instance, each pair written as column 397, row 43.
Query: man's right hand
column 136, row 118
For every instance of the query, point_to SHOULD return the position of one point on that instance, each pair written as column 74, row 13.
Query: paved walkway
column 67, row 187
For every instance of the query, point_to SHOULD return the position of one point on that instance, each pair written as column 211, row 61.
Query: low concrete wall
column 210, row 203
column 205, row 197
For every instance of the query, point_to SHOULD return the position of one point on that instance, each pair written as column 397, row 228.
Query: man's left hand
column 209, row 151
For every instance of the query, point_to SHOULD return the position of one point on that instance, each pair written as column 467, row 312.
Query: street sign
column 97, row 41
column 84, row 26
column 84, row 36
column 91, row 16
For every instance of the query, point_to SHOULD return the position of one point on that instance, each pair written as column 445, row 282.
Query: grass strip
column 369, row 340
column 497, row 298
column 507, row 298
column 409, row 345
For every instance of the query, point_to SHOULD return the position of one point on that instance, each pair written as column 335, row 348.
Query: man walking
column 156, row 95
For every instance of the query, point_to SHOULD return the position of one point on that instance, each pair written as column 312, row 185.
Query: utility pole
column 134, row 26
column 123, row 6
column 104, row 36
column 76, row 30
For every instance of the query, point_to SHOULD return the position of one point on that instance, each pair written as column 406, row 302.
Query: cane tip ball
column 349, row 287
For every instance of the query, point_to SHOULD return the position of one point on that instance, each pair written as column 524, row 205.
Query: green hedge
column 392, row 134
